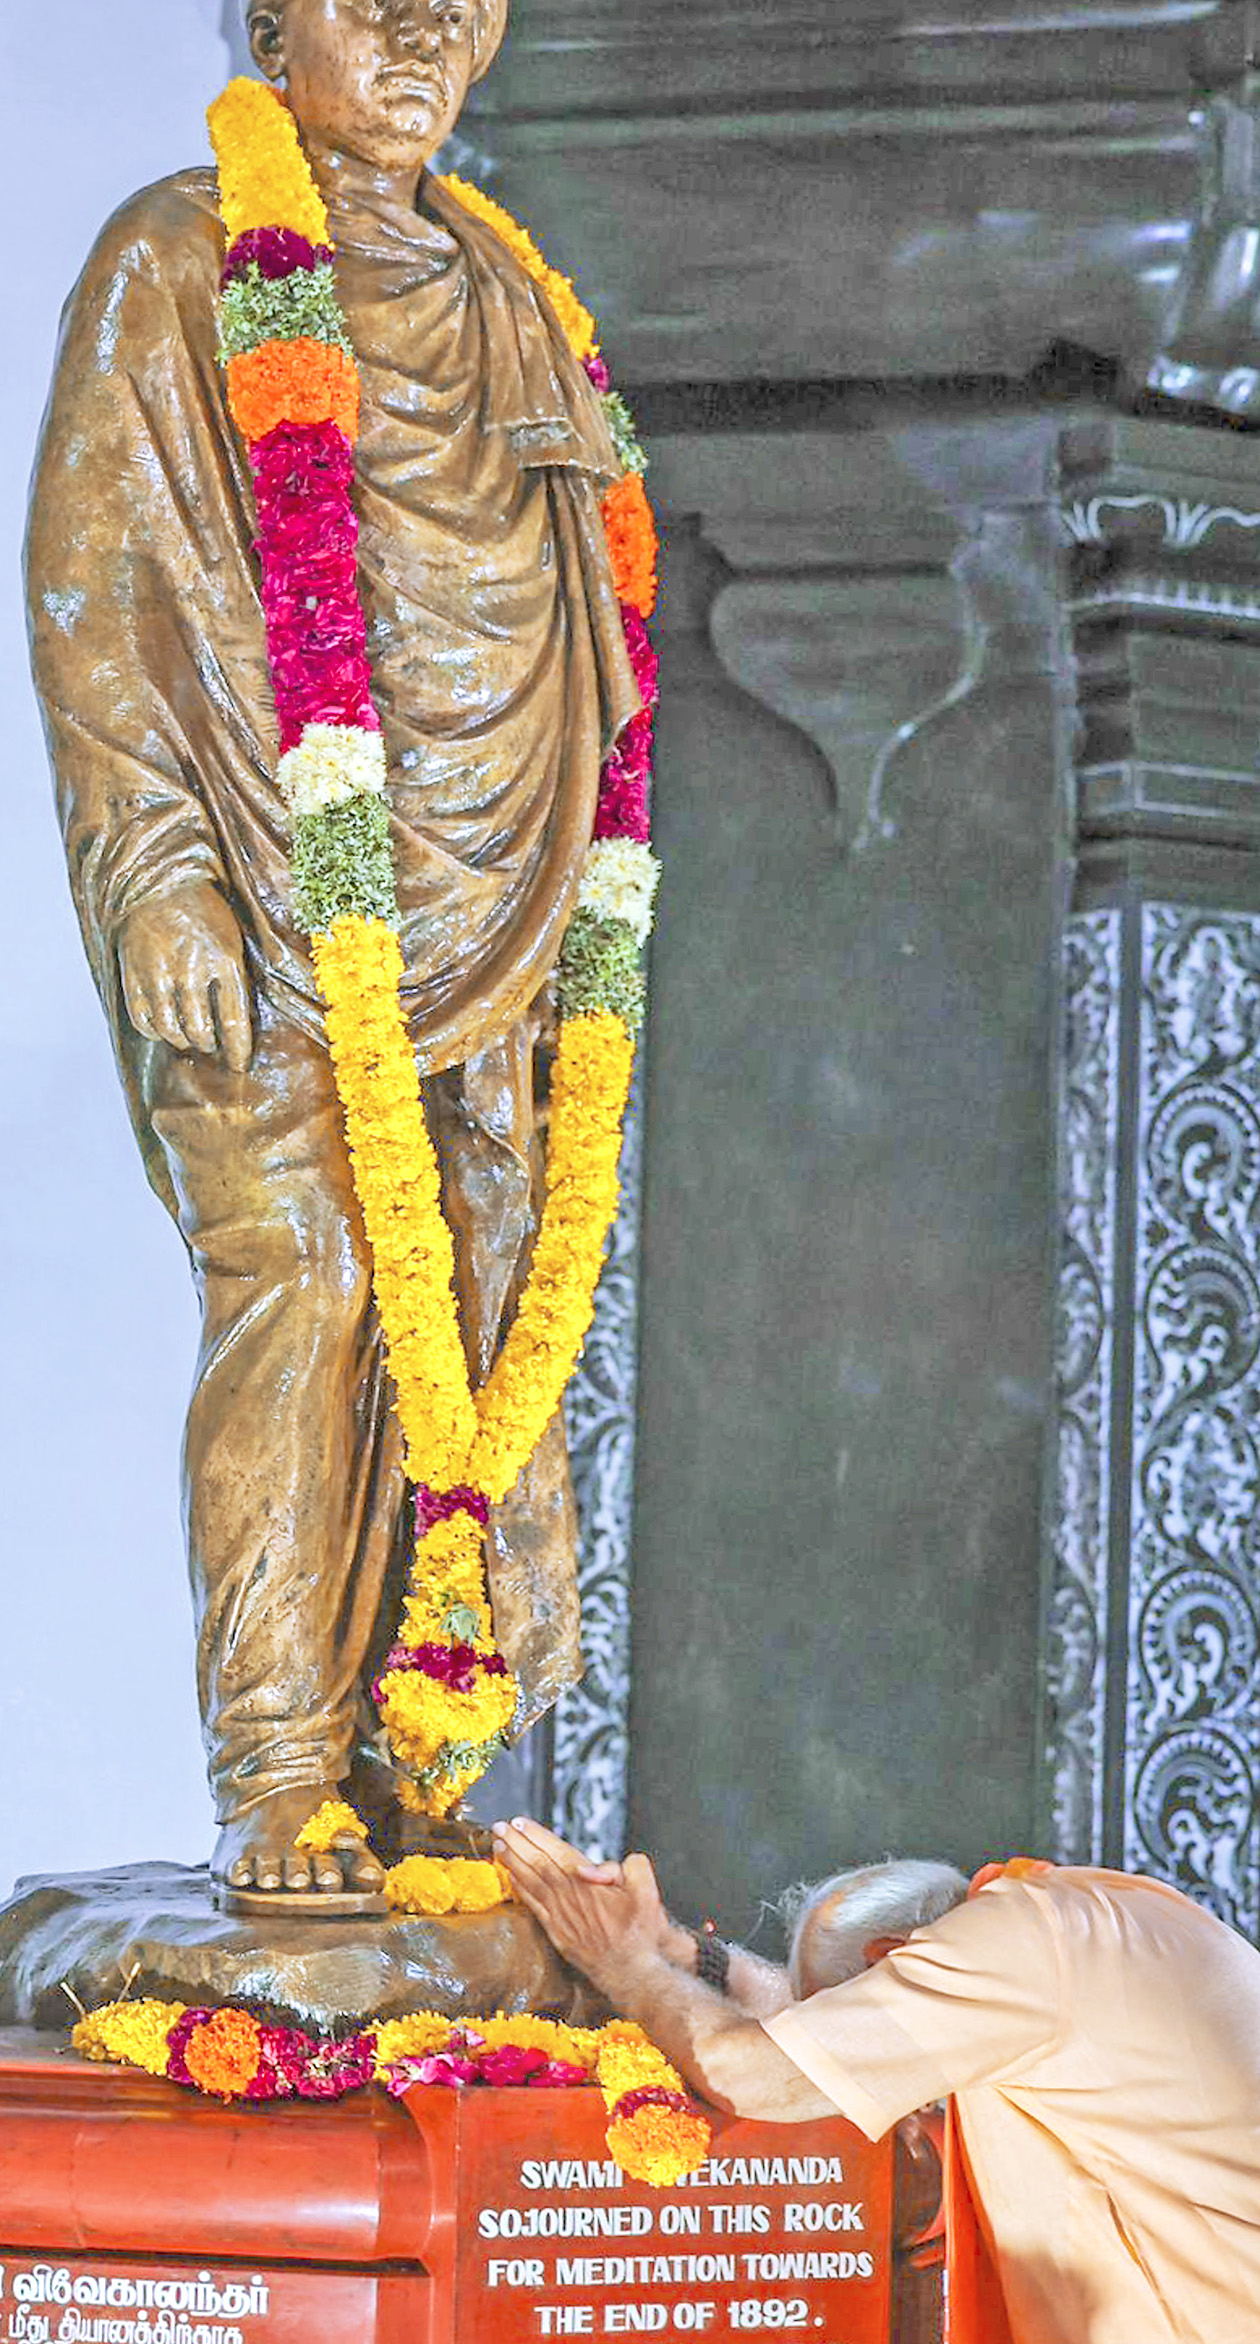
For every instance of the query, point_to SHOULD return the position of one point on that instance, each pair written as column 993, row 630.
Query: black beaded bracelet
column 713, row 1960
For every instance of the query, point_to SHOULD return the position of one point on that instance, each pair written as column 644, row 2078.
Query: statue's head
column 381, row 79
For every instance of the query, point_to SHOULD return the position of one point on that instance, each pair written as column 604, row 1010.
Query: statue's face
column 380, row 79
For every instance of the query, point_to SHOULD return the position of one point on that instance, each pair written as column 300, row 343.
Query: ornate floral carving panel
column 1076, row 1657
column 590, row 1747
column 1190, row 1756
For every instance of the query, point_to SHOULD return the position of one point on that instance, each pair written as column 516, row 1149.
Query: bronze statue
column 500, row 673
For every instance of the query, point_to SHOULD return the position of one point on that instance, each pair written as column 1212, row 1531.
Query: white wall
column 100, row 1754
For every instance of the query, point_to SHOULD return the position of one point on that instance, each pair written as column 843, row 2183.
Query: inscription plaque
column 786, row 2227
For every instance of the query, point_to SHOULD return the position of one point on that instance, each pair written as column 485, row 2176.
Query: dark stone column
column 847, row 1213
column 1151, row 1750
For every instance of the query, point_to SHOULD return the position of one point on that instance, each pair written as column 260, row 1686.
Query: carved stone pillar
column 1152, row 1750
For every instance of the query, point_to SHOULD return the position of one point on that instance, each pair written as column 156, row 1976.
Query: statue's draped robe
column 500, row 673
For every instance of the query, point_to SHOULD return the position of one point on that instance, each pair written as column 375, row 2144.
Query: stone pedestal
column 155, row 1929
column 134, row 2212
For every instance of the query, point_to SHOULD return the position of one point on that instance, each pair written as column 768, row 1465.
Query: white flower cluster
column 332, row 764
column 619, row 883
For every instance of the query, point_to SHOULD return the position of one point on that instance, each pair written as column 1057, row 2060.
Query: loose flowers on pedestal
column 654, row 2133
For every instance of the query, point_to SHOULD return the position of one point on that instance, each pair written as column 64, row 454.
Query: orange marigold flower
column 632, row 543
column 222, row 2055
column 293, row 382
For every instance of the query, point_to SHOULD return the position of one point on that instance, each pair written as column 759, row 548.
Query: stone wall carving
column 1187, row 520
column 1076, row 1651
column 1190, row 1747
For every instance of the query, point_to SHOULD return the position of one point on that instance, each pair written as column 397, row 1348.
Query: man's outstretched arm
column 609, row 1922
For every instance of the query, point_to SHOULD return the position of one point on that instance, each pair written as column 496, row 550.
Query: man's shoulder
column 162, row 230
column 1091, row 1912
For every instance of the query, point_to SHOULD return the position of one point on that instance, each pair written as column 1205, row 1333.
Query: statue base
column 136, row 2212
column 156, row 1929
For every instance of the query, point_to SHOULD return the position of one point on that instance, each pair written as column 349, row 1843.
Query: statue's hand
column 182, row 962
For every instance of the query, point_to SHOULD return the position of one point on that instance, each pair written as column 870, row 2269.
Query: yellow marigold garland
column 359, row 966
column 446, row 1697
column 578, row 324
column 264, row 177
column 589, row 1088
column 451, row 1884
column 653, row 2131
column 133, row 2033
column 422, row 1716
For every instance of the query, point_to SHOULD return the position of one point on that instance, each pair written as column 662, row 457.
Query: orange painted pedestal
column 133, row 2213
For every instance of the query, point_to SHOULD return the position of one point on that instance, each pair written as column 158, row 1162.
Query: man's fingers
column 536, row 1894
column 140, row 1014
column 548, row 1843
column 196, row 1024
column 565, row 1858
column 147, row 1010
column 232, row 1008
column 164, row 1025
column 525, row 1858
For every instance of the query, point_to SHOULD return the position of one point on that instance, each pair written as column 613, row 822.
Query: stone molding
column 605, row 56
column 1161, row 525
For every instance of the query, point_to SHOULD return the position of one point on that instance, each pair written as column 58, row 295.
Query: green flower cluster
column 624, row 436
column 601, row 968
column 304, row 305
column 342, row 863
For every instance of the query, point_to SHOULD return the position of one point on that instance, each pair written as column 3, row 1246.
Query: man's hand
column 608, row 1920
column 596, row 1915
column 182, row 963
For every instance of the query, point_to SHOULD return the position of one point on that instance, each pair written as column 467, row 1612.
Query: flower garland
column 445, row 1695
column 419, row 1884
column 654, row 2133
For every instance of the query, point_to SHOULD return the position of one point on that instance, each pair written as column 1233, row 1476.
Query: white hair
column 837, row 1919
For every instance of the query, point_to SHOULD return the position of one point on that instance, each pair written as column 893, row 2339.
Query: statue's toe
column 296, row 1869
column 364, row 1871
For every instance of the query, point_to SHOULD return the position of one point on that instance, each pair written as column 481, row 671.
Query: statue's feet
column 453, row 1835
column 258, row 1866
